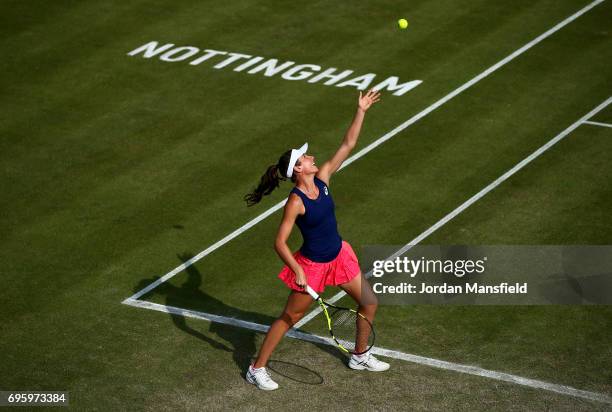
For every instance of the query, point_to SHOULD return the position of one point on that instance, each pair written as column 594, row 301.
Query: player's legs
column 360, row 290
column 297, row 304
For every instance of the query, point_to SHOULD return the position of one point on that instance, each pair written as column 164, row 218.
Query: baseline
column 435, row 363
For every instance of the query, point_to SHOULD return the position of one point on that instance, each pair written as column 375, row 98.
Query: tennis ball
column 402, row 23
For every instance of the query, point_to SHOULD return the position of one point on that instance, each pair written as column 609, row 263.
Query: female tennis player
column 324, row 258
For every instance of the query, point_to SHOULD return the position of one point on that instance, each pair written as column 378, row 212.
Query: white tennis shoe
column 367, row 361
column 261, row 378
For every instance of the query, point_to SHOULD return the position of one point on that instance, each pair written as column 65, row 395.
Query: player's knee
column 370, row 305
column 292, row 317
column 371, row 300
column 295, row 318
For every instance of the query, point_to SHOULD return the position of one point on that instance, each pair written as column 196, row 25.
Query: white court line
column 372, row 145
column 471, row 370
column 599, row 124
column 469, row 202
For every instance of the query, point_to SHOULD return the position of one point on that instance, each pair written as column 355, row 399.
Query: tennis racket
column 352, row 332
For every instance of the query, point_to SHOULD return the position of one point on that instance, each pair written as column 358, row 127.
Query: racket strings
column 351, row 330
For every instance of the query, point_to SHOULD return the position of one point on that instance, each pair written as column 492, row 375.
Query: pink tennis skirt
column 336, row 272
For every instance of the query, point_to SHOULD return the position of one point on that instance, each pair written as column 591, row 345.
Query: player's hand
column 371, row 97
column 300, row 279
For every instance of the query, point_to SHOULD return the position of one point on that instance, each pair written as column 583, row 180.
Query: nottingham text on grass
column 271, row 67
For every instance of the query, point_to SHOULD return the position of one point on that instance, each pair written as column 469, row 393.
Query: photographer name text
column 445, row 288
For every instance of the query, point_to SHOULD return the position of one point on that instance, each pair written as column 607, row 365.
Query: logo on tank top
column 325, row 190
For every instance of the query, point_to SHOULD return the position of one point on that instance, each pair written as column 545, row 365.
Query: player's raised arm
column 351, row 136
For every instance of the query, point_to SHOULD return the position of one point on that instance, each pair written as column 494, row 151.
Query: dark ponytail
column 270, row 180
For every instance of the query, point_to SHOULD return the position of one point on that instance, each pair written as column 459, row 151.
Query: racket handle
column 311, row 292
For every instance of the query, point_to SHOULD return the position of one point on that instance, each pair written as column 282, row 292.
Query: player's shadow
column 241, row 341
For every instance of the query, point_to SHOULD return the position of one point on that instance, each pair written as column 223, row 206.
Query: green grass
column 116, row 168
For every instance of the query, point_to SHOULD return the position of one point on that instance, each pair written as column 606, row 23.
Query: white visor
column 295, row 155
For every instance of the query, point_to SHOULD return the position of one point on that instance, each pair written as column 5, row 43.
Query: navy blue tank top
column 322, row 243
